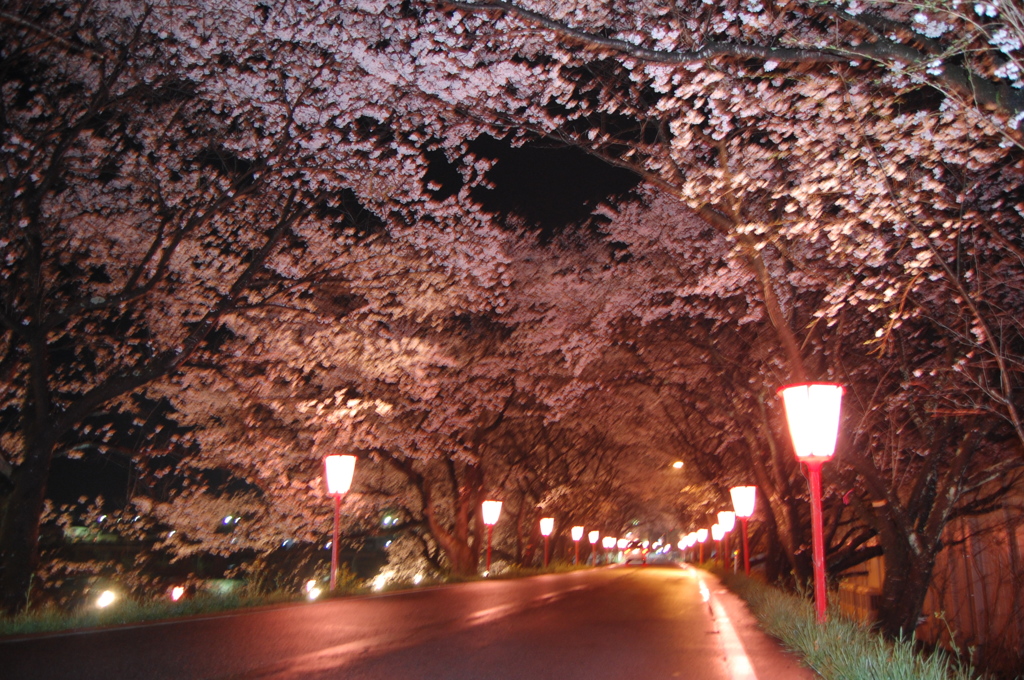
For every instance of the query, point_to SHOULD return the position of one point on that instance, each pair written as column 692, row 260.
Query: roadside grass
column 841, row 649
column 127, row 611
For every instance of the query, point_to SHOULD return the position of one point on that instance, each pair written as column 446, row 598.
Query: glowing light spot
column 106, row 598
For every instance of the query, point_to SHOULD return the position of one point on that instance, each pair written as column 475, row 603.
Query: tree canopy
column 537, row 250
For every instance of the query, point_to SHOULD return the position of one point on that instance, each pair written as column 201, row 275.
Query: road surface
column 650, row 623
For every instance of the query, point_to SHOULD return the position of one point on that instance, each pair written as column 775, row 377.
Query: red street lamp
column 727, row 519
column 547, row 525
column 491, row 512
column 717, row 533
column 338, row 471
column 812, row 412
column 743, row 498
column 702, row 535
column 592, row 537
column 576, row 533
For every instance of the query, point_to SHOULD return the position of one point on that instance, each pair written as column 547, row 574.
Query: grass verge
column 840, row 649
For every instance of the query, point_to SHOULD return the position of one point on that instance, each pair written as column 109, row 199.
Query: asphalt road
column 648, row 623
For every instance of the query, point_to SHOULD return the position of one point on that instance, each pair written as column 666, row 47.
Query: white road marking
column 736, row 659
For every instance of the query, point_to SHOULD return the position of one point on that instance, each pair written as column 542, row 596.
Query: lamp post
column 338, row 471
column 547, row 525
column 608, row 543
column 743, row 498
column 812, row 413
column 592, row 537
column 727, row 519
column 491, row 512
column 717, row 534
column 702, row 535
column 576, row 533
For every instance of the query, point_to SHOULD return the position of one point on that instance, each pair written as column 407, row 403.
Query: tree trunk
column 19, row 531
column 908, row 575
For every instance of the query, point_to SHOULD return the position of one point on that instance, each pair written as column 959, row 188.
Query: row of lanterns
column 812, row 414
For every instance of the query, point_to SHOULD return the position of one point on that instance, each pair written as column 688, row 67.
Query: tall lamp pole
column 547, row 525
column 727, row 518
column 576, row 533
column 743, row 499
column 812, row 413
column 338, row 471
column 608, row 543
column 592, row 537
column 702, row 535
column 717, row 534
column 491, row 512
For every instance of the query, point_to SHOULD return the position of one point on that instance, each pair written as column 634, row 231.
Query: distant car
column 635, row 552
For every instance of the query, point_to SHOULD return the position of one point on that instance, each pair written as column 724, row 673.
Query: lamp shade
column 717, row 532
column 547, row 525
column 491, row 512
column 702, row 535
column 727, row 520
column 608, row 542
column 622, row 543
column 577, row 533
column 338, row 471
column 593, row 536
column 812, row 412
column 743, row 498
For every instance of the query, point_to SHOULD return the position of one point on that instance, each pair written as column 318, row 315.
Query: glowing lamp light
column 683, row 545
column 547, row 525
column 106, row 598
column 491, row 512
column 577, row 533
column 338, row 471
column 727, row 519
column 812, row 412
column 177, row 592
column 608, row 542
column 702, row 535
column 622, row 543
column 593, row 536
column 678, row 465
column 717, row 532
column 743, row 499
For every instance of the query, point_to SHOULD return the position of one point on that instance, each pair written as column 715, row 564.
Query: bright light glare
column 417, row 579
column 339, row 471
column 717, row 532
column 702, row 535
column 743, row 499
column 313, row 593
column 593, row 536
column 177, row 592
column 727, row 518
column 705, row 594
column 576, row 533
column 106, row 599
column 678, row 465
column 622, row 543
column 547, row 525
column 812, row 412
column 491, row 512
column 608, row 542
